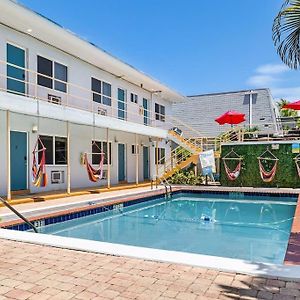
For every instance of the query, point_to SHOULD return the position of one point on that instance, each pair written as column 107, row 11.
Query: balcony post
column 108, row 158
column 68, row 160
column 8, row 171
column 136, row 160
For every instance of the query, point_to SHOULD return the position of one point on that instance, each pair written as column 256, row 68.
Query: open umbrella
column 231, row 117
column 293, row 105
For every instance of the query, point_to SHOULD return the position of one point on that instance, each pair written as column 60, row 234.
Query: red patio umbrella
column 231, row 117
column 293, row 105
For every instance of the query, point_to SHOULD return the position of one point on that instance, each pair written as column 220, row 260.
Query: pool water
column 251, row 228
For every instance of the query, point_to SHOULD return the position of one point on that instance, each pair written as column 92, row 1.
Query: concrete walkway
column 39, row 272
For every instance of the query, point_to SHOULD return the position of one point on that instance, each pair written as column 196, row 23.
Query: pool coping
column 290, row 269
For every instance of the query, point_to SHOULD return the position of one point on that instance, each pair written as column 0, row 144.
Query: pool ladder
column 166, row 184
column 18, row 214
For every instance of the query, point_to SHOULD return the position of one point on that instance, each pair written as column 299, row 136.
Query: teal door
column 121, row 104
column 146, row 162
column 18, row 160
column 16, row 73
column 121, row 162
column 146, row 111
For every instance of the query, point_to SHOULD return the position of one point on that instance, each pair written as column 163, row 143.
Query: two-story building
column 78, row 99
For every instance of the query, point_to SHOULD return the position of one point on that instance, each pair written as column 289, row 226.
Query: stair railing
column 18, row 214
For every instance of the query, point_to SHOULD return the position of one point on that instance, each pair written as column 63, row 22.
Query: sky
column 193, row 46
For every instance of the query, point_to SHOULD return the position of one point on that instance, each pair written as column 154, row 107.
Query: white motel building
column 78, row 99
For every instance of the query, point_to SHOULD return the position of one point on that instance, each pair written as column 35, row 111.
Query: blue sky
column 194, row 46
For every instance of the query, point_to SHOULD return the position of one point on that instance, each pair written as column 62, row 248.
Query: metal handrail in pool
column 18, row 214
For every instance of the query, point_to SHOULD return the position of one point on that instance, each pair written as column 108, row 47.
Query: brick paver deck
column 39, row 272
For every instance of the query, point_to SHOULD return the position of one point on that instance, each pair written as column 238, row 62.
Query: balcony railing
column 24, row 82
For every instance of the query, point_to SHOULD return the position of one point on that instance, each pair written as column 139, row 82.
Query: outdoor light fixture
column 34, row 129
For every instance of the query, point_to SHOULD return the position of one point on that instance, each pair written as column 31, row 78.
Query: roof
column 42, row 28
column 200, row 111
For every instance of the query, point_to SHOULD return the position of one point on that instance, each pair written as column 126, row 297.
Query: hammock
column 94, row 174
column 232, row 155
column 233, row 175
column 265, row 175
column 39, row 175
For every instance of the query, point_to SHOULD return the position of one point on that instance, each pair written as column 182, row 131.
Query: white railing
column 77, row 96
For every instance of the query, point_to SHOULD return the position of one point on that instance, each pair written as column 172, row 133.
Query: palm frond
column 286, row 33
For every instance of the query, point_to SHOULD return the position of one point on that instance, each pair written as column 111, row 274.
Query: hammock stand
column 265, row 175
column 94, row 174
column 39, row 175
column 232, row 156
column 297, row 162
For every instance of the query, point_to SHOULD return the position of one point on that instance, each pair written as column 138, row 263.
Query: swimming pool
column 248, row 227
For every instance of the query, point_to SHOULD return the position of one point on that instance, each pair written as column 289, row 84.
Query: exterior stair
column 185, row 143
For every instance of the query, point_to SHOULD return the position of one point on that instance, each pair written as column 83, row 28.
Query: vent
column 102, row 111
column 57, row 177
column 54, row 99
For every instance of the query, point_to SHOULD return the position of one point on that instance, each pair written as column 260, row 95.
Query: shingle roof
column 200, row 111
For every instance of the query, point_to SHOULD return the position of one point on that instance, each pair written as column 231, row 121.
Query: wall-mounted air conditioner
column 57, row 177
column 54, row 99
column 102, row 111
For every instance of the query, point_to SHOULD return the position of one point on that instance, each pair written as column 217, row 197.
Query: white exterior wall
column 79, row 78
column 79, row 74
column 80, row 141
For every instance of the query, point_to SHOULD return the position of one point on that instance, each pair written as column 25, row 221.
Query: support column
column 136, row 160
column 108, row 158
column 8, row 178
column 156, row 159
column 68, row 160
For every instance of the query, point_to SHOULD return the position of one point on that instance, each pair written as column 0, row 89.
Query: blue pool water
column 252, row 228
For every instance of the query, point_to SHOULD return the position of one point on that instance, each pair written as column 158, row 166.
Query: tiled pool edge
column 292, row 256
column 231, row 265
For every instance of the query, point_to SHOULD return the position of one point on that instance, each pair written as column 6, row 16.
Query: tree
column 286, row 33
column 285, row 112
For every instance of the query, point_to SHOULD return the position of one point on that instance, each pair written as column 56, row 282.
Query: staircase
column 188, row 149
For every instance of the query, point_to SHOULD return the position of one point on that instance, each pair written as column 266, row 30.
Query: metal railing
column 18, row 214
column 78, row 97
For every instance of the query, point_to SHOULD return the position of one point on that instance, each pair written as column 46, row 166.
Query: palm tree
column 285, row 112
column 286, row 33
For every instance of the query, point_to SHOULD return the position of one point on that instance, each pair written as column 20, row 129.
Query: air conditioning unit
column 102, row 111
column 57, row 177
column 54, row 99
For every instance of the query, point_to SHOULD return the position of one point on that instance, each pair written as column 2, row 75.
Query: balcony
column 74, row 103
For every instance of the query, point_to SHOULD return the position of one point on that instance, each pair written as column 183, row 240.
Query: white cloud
column 290, row 94
column 272, row 69
column 261, row 81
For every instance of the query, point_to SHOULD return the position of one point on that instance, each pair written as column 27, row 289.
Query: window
column 101, row 92
column 48, row 143
column 45, row 76
column 161, row 152
column 133, row 98
column 98, row 147
column 135, row 149
column 60, row 151
column 56, row 150
column 160, row 112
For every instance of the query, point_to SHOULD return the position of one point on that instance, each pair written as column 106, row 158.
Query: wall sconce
column 34, row 129
column 116, row 141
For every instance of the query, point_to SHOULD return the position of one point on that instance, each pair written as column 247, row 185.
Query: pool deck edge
column 292, row 256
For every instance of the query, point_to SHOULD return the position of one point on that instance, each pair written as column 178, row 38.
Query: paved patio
column 38, row 272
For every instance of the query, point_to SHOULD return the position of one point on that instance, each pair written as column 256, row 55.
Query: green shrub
column 186, row 177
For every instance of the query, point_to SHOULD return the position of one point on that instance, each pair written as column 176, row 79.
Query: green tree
column 286, row 33
column 285, row 112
